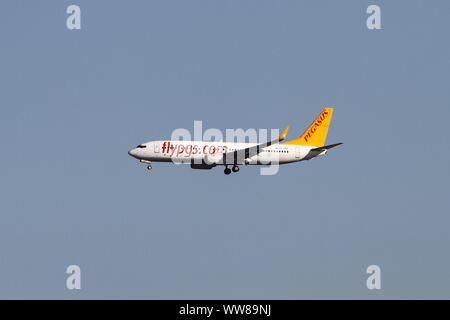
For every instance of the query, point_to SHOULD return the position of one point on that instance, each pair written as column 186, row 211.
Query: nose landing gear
column 149, row 167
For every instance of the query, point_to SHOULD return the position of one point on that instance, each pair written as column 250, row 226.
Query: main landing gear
column 227, row 170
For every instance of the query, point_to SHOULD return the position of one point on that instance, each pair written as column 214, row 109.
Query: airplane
column 207, row 155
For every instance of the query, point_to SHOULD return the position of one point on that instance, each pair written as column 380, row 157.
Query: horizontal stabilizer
column 327, row 147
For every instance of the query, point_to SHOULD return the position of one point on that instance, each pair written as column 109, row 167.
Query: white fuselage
column 212, row 152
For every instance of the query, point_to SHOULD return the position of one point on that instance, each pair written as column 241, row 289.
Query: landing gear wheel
column 149, row 167
column 227, row 171
column 235, row 168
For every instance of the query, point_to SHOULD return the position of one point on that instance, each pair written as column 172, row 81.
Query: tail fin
column 316, row 134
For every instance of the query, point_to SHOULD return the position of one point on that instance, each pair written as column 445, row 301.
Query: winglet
column 283, row 136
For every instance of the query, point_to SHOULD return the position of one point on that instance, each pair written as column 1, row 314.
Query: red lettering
column 188, row 150
column 180, row 149
column 173, row 148
column 316, row 124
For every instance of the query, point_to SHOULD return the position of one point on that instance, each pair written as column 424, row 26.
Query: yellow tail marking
column 317, row 132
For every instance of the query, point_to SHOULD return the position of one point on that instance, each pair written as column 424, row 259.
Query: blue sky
column 74, row 102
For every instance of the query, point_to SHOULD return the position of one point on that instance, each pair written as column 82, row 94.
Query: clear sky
column 74, row 102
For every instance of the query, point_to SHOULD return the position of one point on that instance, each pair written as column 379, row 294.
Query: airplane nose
column 133, row 153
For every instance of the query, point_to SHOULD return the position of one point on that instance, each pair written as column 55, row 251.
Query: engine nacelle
column 202, row 166
column 213, row 159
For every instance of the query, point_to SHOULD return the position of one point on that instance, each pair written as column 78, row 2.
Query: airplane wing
column 238, row 156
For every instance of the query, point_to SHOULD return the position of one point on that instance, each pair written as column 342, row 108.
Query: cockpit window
column 141, row 146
